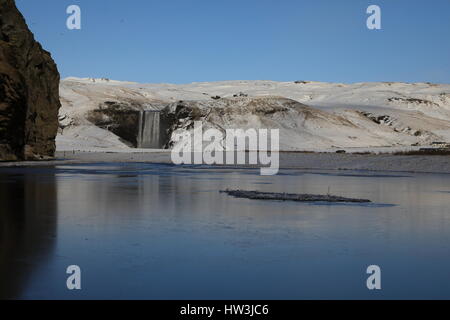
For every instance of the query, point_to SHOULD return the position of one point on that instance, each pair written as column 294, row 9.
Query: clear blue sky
column 181, row 41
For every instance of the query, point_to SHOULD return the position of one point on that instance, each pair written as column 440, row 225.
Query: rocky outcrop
column 120, row 118
column 228, row 113
column 29, row 91
column 128, row 121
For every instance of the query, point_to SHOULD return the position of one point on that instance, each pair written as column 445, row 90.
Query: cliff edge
column 29, row 91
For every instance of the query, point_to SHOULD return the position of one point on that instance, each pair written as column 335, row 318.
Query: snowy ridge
column 317, row 116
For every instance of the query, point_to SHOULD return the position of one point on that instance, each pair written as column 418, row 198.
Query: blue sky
column 180, row 41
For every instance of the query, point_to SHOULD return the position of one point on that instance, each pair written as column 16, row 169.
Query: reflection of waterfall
column 149, row 130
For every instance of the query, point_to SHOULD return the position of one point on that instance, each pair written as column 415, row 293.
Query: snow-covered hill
column 328, row 115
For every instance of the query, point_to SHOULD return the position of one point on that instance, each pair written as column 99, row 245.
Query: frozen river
column 157, row 231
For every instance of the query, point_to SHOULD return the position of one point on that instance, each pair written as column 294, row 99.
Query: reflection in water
column 27, row 228
column 165, row 232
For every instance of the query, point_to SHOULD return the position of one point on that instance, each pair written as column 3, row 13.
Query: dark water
column 165, row 232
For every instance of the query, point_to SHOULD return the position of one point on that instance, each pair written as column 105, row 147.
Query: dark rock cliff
column 127, row 120
column 29, row 91
column 120, row 118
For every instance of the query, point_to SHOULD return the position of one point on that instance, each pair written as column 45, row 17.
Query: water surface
column 150, row 231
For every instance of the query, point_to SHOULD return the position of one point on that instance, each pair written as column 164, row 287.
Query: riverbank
column 295, row 160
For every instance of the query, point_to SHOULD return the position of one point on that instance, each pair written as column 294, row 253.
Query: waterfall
column 149, row 130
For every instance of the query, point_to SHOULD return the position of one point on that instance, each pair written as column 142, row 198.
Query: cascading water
column 149, row 130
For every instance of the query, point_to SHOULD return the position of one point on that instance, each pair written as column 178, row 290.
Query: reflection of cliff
column 27, row 228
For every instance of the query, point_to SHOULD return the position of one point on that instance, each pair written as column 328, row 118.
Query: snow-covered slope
column 362, row 115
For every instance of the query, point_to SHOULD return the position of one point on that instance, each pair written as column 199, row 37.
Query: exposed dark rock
column 301, row 82
column 413, row 100
column 395, row 125
column 29, row 91
column 122, row 119
column 257, row 195
column 383, row 119
column 183, row 114
column 180, row 115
